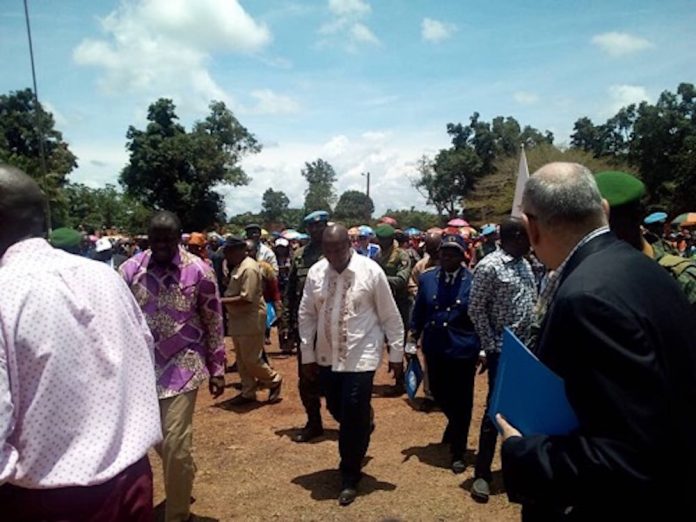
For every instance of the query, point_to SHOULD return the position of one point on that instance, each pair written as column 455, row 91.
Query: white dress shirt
column 349, row 315
column 78, row 403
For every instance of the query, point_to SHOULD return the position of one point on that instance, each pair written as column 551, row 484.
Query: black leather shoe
column 308, row 433
column 347, row 496
column 274, row 394
column 240, row 400
column 458, row 465
column 480, row 490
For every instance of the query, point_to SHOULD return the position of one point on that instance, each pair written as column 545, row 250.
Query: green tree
column 320, row 193
column 658, row 141
column 176, row 170
column 20, row 142
column 354, row 208
column 447, row 180
column 274, row 205
column 419, row 219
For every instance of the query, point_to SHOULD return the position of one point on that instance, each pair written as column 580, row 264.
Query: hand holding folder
column 528, row 394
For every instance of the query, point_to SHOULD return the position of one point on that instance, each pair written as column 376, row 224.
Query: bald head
column 336, row 247
column 561, row 205
column 564, row 195
column 432, row 243
column 22, row 207
column 164, row 234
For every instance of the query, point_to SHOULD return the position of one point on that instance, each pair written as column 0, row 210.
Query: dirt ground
column 250, row 469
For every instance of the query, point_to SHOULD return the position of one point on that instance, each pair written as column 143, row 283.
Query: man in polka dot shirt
column 78, row 407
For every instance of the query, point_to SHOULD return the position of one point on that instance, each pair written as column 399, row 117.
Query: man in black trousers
column 449, row 342
column 618, row 330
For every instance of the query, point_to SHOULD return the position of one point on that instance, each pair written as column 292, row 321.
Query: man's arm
column 413, row 278
column 210, row 313
column 482, row 293
column 271, row 259
column 8, row 454
column 418, row 315
column 290, row 296
column 307, row 320
column 616, row 389
column 389, row 317
column 399, row 281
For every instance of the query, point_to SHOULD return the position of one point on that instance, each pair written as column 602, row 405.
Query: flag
column 522, row 177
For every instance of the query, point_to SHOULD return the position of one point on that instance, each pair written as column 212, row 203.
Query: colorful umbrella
column 687, row 219
column 353, row 232
column 458, row 222
column 412, row 231
column 389, row 221
column 290, row 234
column 434, row 230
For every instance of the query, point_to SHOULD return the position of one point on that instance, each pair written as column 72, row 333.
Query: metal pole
column 368, row 184
column 37, row 113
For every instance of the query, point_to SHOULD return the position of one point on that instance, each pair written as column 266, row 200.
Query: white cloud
column 347, row 25
column 391, row 163
column 525, row 97
column 349, row 7
column 58, row 117
column 623, row 95
column 164, row 45
column 435, row 31
column 617, row 44
column 362, row 34
column 268, row 102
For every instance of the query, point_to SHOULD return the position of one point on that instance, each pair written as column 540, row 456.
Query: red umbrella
column 389, row 221
column 458, row 222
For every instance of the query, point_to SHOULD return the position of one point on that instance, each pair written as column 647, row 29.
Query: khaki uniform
column 247, row 324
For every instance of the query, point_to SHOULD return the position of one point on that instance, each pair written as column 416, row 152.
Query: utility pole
column 37, row 114
column 367, row 174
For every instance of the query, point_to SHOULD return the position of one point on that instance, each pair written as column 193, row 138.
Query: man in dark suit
column 616, row 328
column 449, row 341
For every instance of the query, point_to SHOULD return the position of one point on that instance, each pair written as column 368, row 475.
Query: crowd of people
column 604, row 295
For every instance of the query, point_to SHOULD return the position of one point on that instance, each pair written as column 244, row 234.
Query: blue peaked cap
column 317, row 217
column 655, row 217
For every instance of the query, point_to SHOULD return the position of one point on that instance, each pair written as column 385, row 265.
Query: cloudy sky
column 366, row 85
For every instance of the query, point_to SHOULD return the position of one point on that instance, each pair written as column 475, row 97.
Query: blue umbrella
column 412, row 231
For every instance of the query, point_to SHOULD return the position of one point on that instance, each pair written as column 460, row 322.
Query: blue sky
column 366, row 85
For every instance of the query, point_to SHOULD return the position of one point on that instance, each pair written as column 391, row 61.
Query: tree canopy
column 659, row 141
column 320, row 193
column 172, row 169
column 447, row 179
column 354, row 208
column 274, row 205
column 23, row 126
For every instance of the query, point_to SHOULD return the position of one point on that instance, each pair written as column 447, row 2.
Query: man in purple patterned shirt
column 178, row 294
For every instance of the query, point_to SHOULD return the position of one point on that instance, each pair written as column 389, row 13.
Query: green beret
column 619, row 188
column 384, row 230
column 65, row 238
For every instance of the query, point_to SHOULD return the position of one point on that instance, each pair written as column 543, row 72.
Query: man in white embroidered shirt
column 346, row 310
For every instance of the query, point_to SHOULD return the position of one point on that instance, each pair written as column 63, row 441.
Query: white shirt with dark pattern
column 503, row 294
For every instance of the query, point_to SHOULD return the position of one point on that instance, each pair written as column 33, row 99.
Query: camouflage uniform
column 397, row 266
column 302, row 261
column 683, row 270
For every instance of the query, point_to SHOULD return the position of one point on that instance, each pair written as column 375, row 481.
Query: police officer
column 302, row 260
column 624, row 193
column 654, row 232
column 449, row 341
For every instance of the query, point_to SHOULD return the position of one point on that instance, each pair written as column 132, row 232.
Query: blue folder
column 413, row 377
column 528, row 394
